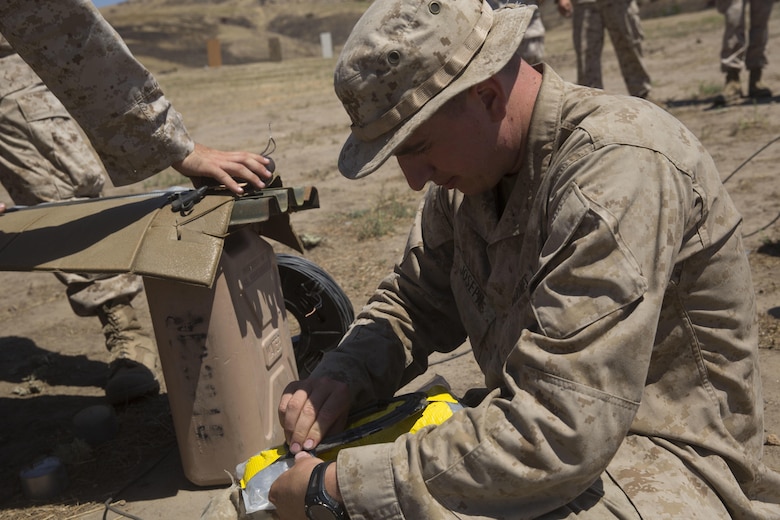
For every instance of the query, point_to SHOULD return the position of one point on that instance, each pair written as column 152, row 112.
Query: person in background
column 584, row 244
column 741, row 49
column 62, row 59
column 621, row 20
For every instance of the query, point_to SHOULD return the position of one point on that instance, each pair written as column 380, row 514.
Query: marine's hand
column 565, row 8
column 225, row 167
column 288, row 492
column 311, row 409
column 2, row 207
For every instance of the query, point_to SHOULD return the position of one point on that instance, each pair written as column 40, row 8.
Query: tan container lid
column 142, row 234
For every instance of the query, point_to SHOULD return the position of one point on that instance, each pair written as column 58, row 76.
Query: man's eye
column 421, row 149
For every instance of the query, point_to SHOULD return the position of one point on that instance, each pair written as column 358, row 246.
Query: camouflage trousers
column 44, row 158
column 88, row 292
column 645, row 481
column 740, row 48
column 621, row 20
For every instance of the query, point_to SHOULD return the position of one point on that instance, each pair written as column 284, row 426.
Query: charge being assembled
column 584, row 244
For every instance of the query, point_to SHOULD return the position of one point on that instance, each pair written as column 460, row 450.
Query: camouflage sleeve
column 389, row 344
column 557, row 421
column 85, row 63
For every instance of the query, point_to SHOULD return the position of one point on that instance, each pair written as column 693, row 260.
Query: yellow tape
column 437, row 411
column 262, row 460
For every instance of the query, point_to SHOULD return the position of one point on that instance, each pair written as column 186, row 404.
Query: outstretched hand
column 226, row 168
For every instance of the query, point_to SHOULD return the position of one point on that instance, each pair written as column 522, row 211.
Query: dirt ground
column 52, row 364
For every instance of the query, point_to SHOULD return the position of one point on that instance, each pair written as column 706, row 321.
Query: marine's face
column 455, row 148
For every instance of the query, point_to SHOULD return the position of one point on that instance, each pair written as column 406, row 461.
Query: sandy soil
column 52, row 363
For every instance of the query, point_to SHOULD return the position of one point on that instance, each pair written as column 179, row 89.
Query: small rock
column 309, row 241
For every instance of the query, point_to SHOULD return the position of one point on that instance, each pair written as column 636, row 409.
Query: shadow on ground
column 49, row 390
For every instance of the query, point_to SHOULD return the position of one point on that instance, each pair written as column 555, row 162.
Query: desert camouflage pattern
column 117, row 102
column 44, row 158
column 611, row 310
column 426, row 52
column 741, row 49
column 43, row 154
column 620, row 18
column 87, row 293
column 532, row 47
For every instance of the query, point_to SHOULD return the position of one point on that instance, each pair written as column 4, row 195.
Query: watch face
column 319, row 512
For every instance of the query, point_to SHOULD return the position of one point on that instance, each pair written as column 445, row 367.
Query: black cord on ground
column 767, row 145
column 763, row 228
column 109, row 507
column 777, row 138
column 107, row 503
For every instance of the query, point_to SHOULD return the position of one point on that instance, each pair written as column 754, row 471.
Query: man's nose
column 417, row 174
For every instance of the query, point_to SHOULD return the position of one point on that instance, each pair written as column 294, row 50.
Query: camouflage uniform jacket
column 85, row 63
column 611, row 310
column 14, row 72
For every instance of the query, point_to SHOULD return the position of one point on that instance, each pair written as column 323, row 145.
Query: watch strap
column 316, row 494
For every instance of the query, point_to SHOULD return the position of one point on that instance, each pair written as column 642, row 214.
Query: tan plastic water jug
column 226, row 356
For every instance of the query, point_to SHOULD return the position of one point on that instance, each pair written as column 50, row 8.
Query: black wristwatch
column 319, row 504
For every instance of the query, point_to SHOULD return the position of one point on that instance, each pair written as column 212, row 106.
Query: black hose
column 318, row 304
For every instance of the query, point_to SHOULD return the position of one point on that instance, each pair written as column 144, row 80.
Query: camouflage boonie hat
column 405, row 58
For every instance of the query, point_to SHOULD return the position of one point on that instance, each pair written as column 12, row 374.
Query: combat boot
column 757, row 89
column 132, row 369
column 732, row 90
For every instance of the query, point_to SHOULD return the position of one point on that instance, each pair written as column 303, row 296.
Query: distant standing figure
column 741, row 49
column 621, row 20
